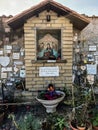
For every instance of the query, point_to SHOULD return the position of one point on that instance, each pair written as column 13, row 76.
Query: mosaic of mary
column 48, row 48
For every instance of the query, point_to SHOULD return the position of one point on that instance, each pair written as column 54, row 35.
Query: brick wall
column 33, row 81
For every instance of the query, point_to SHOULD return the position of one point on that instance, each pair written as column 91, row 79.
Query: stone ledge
column 49, row 61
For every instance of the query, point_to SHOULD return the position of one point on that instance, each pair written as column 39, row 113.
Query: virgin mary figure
column 48, row 47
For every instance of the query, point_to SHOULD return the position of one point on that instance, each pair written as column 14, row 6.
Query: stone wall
column 11, row 44
column 89, row 38
column 90, row 32
column 33, row 80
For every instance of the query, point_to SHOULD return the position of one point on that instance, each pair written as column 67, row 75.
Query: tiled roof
column 79, row 21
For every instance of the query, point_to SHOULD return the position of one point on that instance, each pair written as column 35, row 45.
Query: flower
column 49, row 94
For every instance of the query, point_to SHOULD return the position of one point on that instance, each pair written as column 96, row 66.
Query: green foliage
column 95, row 122
column 51, row 120
column 27, row 122
column 94, row 118
column 36, row 124
column 68, row 96
column 41, row 95
column 61, row 123
column 82, row 100
column 56, row 121
column 83, row 95
column 81, row 115
column 67, row 92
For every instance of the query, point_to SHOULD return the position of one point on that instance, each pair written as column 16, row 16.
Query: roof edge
column 43, row 3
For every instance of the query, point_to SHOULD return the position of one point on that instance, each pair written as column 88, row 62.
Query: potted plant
column 82, row 99
column 94, row 118
column 80, row 121
column 81, row 117
column 95, row 122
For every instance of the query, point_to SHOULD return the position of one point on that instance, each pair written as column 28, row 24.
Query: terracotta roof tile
column 75, row 17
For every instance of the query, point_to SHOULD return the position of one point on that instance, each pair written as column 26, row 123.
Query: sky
column 13, row 7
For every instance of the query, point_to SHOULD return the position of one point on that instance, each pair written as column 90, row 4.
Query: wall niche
column 48, row 44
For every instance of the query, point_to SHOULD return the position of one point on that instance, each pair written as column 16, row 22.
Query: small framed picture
column 16, row 55
column 3, row 75
column 90, row 57
column 92, row 48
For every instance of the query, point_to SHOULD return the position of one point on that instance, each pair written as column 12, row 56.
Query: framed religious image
column 48, row 44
